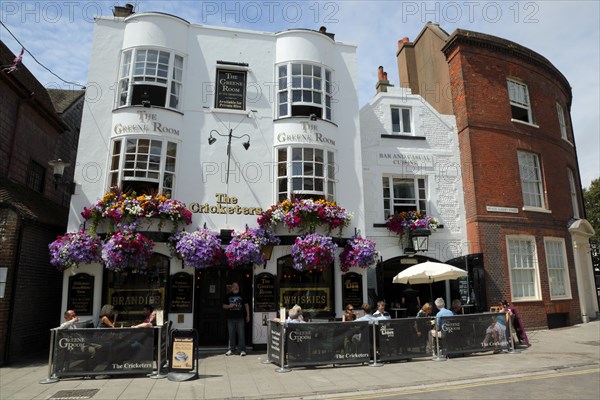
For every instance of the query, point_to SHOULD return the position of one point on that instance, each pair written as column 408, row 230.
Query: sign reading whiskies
column 231, row 89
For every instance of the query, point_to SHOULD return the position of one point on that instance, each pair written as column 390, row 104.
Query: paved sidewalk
column 248, row 378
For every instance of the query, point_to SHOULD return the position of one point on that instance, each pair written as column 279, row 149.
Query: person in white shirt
column 381, row 313
column 70, row 320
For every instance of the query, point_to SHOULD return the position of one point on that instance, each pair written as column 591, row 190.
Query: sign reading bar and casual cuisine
column 88, row 352
column 264, row 292
column 231, row 89
column 181, row 293
column 352, row 290
column 310, row 299
column 81, row 294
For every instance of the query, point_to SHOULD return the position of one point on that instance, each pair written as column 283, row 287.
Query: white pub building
column 229, row 122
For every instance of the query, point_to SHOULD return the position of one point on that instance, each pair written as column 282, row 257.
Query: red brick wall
column 489, row 142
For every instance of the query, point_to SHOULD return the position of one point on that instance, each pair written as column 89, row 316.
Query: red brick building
column 523, row 201
column 36, row 126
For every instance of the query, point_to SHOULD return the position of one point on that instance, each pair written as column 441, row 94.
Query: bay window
column 142, row 165
column 150, row 77
column 304, row 89
column 305, row 172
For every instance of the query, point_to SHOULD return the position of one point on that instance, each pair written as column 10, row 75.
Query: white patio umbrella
column 429, row 272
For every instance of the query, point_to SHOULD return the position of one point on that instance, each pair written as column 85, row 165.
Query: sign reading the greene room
column 231, row 89
column 264, row 292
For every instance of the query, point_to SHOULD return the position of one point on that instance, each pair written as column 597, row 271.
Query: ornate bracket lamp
column 212, row 140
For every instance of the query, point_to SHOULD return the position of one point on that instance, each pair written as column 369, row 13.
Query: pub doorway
column 211, row 287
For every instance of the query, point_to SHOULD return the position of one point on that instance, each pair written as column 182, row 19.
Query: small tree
column 591, row 198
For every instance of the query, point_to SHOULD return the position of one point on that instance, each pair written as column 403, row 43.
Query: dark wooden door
column 211, row 287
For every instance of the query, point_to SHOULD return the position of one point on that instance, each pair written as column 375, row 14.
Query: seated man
column 70, row 320
column 367, row 316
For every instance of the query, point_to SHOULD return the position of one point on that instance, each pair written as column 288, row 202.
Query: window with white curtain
column 523, row 268
column 558, row 273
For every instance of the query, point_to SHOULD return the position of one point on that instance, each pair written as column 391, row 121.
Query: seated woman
column 349, row 315
column 108, row 317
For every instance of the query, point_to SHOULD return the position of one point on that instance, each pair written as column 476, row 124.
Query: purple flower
column 127, row 250
column 358, row 252
column 199, row 249
column 313, row 251
column 246, row 247
column 74, row 248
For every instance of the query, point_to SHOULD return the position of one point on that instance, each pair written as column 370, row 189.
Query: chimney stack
column 382, row 81
column 122, row 12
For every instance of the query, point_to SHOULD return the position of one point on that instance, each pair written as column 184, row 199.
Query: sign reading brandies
column 231, row 89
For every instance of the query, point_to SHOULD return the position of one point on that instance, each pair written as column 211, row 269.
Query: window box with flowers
column 358, row 252
column 305, row 215
column 199, row 249
column 75, row 248
column 313, row 251
column 247, row 247
column 118, row 209
column 405, row 222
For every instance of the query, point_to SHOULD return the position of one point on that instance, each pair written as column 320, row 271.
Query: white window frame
column 574, row 194
column 521, row 262
column 134, row 71
column 403, row 114
column 294, row 79
column 121, row 170
column 290, row 171
column 390, row 201
column 558, row 267
column 562, row 122
column 518, row 94
column 532, row 185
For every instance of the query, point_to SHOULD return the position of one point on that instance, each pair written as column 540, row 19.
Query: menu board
column 231, row 89
column 463, row 288
column 181, row 293
column 264, row 292
column 81, row 294
column 352, row 289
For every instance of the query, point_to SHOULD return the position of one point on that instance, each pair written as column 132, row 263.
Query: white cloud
column 565, row 32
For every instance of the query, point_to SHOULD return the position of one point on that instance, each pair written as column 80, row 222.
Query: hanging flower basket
column 358, row 252
column 305, row 215
column 75, row 248
column 312, row 251
column 247, row 247
column 127, row 251
column 199, row 249
column 404, row 222
column 122, row 210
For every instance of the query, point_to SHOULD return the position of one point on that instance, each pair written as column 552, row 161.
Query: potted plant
column 358, row 252
column 127, row 251
column 312, row 251
column 199, row 249
column 406, row 221
column 74, row 248
column 249, row 246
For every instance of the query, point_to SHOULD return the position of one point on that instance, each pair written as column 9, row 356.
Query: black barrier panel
column 399, row 339
column 274, row 348
column 330, row 343
column 473, row 333
column 88, row 352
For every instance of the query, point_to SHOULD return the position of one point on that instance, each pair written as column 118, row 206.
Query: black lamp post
column 212, row 140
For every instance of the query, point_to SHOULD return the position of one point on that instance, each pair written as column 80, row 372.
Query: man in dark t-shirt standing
column 237, row 313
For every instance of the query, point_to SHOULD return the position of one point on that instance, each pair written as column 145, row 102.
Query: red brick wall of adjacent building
column 489, row 142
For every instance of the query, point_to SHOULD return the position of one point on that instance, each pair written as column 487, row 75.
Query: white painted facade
column 201, row 169
column 423, row 150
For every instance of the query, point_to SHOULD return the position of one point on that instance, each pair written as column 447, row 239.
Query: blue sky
column 59, row 35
